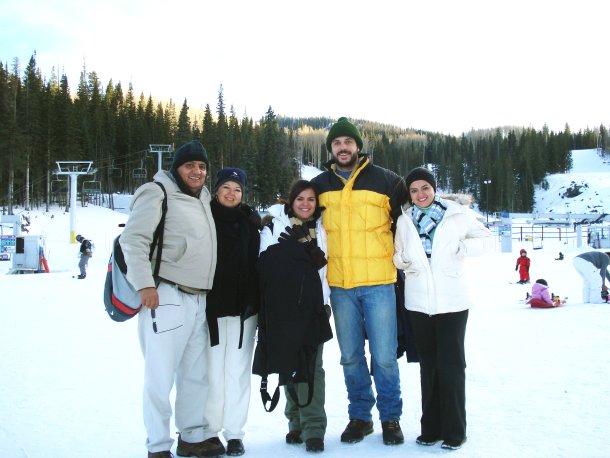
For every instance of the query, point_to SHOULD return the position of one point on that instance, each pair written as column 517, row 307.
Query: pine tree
column 183, row 134
column 222, row 131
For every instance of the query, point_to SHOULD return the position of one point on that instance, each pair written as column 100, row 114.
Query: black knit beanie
column 542, row 281
column 190, row 151
column 343, row 128
column 420, row 173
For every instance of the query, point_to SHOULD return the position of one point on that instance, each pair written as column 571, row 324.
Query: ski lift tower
column 160, row 149
column 74, row 169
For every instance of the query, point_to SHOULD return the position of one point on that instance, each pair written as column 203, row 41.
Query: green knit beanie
column 340, row 129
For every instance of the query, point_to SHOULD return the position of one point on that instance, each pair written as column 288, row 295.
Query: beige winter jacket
column 189, row 240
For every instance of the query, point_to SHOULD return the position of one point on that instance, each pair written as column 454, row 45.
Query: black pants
column 440, row 344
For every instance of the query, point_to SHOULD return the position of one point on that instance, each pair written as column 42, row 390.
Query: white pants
column 229, row 373
column 592, row 281
column 173, row 346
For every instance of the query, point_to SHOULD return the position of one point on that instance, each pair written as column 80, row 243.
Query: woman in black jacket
column 232, row 306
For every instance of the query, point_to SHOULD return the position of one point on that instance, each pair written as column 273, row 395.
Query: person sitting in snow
column 560, row 257
column 541, row 298
column 523, row 266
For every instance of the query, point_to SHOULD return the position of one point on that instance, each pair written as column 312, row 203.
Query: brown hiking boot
column 204, row 449
column 392, row 434
column 216, row 441
column 356, row 430
column 294, row 437
column 314, row 445
column 235, row 447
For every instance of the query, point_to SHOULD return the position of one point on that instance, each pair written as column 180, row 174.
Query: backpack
column 121, row 300
column 88, row 248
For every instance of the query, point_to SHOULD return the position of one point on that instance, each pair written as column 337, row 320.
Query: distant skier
column 523, row 266
column 593, row 268
column 85, row 252
column 560, row 257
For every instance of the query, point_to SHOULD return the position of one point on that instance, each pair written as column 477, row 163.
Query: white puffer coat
column 437, row 285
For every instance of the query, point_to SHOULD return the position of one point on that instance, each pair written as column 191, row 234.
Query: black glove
column 516, row 268
column 284, row 237
column 297, row 232
column 315, row 254
column 528, row 269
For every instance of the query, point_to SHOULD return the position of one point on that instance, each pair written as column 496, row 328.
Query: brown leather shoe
column 203, row 449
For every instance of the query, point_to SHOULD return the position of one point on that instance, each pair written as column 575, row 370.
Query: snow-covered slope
column 585, row 189
column 537, row 380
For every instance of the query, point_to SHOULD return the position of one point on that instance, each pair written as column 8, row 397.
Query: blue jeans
column 360, row 313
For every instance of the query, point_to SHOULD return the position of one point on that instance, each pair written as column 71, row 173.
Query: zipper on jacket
column 301, row 291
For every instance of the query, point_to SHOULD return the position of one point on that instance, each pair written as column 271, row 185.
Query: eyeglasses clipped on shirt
column 160, row 328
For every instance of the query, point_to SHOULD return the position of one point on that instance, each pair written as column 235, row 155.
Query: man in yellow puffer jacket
column 362, row 202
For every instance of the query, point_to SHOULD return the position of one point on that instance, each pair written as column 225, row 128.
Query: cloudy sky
column 440, row 65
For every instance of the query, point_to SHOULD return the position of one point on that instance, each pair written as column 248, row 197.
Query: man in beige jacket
column 171, row 323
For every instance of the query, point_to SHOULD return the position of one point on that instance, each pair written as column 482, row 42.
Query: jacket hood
column 462, row 199
column 455, row 203
column 277, row 210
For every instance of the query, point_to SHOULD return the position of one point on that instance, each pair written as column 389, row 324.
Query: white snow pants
column 229, row 373
column 173, row 345
column 592, row 281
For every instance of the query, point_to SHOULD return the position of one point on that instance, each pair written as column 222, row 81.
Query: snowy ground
column 70, row 378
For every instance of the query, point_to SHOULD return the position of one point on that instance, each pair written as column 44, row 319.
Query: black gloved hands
column 300, row 233
column 315, row 254
column 297, row 232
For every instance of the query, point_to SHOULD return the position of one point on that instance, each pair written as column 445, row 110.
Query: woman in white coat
column 433, row 236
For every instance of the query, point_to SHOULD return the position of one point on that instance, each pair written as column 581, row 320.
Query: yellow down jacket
column 359, row 219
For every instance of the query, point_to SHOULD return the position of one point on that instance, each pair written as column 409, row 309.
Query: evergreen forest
column 44, row 120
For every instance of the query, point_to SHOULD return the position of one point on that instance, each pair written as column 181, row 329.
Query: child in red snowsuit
column 523, row 266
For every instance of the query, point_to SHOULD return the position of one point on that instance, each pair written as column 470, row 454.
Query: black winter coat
column 235, row 291
column 292, row 320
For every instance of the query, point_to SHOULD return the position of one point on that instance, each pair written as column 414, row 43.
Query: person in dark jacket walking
column 295, row 291
column 85, row 252
column 232, row 306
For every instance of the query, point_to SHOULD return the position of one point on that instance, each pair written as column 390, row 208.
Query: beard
column 351, row 162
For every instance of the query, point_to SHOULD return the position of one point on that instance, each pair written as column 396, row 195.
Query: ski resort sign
column 7, row 243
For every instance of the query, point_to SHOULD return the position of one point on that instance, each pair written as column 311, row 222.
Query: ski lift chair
column 139, row 173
